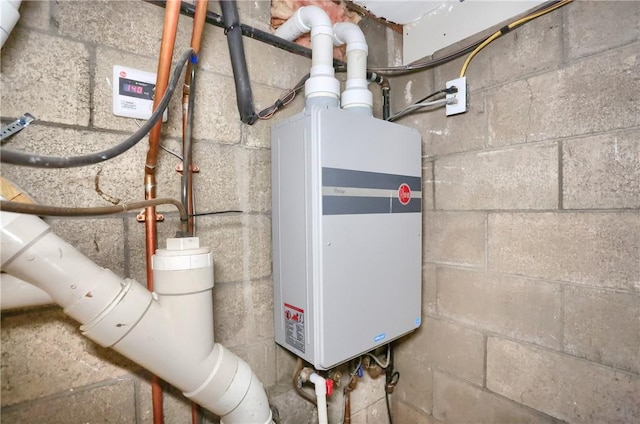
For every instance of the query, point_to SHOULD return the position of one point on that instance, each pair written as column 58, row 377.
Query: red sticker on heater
column 123, row 74
column 404, row 194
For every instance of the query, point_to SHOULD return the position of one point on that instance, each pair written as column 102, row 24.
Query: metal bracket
column 194, row 168
column 142, row 218
column 17, row 126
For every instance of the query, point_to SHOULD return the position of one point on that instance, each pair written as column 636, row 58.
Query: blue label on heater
column 418, row 322
column 379, row 337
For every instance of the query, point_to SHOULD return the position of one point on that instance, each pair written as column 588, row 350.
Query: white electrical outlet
column 460, row 105
column 133, row 92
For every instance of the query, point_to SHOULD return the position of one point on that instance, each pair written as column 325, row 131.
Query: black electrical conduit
column 39, row 161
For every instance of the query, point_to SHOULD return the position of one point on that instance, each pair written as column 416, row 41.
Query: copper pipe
column 347, row 398
column 169, row 30
column 199, row 20
column 196, row 41
column 296, row 376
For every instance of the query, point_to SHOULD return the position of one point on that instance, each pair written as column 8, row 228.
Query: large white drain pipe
column 170, row 332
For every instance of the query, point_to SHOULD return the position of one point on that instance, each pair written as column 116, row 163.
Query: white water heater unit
column 347, row 233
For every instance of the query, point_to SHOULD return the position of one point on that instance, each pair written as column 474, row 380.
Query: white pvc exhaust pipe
column 123, row 315
column 356, row 93
column 15, row 293
column 322, row 81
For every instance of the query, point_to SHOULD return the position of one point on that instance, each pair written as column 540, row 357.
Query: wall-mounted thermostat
column 133, row 93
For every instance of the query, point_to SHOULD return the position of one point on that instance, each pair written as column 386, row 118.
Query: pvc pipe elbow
column 320, row 384
column 305, row 19
column 350, row 34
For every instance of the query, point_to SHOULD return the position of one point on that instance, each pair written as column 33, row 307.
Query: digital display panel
column 138, row 89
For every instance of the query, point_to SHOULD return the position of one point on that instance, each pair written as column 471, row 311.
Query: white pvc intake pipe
column 356, row 93
column 322, row 81
column 123, row 315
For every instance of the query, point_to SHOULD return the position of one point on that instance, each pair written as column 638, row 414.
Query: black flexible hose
column 244, row 95
column 39, row 161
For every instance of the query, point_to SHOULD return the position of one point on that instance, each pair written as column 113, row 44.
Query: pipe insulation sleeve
column 244, row 94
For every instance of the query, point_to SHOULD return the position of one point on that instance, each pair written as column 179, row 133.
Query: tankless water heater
column 347, row 233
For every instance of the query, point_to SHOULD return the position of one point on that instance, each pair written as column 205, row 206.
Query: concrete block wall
column 532, row 234
column 57, row 65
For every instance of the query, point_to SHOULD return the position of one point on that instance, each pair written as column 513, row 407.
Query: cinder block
column 214, row 51
column 176, row 407
column 368, row 392
column 35, row 14
column 442, row 135
column 602, row 171
column 243, row 313
column 292, row 407
column 597, row 249
column 241, row 245
column 231, row 178
column 562, row 386
column 593, row 26
column 260, row 357
column 45, row 76
column 415, row 385
column 429, row 289
column 403, row 413
column 111, row 403
column 568, row 102
column 101, row 240
column 376, row 413
column 216, row 116
column 602, row 326
column 530, row 48
column 458, row 402
column 272, row 66
column 103, row 116
column 285, row 365
column 129, row 25
column 443, row 345
column 514, row 306
column 427, row 185
column 520, row 178
column 454, row 238
column 258, row 135
column 43, row 353
column 408, row 89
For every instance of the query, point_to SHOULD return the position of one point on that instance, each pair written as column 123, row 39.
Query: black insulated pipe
column 238, row 61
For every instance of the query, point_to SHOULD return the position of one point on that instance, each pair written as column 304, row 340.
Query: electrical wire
column 39, row 161
column 378, row 361
column 286, row 98
column 45, row 210
column 166, row 149
column 414, row 107
column 508, row 28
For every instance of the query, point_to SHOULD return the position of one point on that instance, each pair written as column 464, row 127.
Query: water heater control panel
column 133, row 93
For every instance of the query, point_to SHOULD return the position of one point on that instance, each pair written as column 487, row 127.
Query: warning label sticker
column 294, row 326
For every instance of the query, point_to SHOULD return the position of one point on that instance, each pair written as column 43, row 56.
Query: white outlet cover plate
column 461, row 96
column 133, row 92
